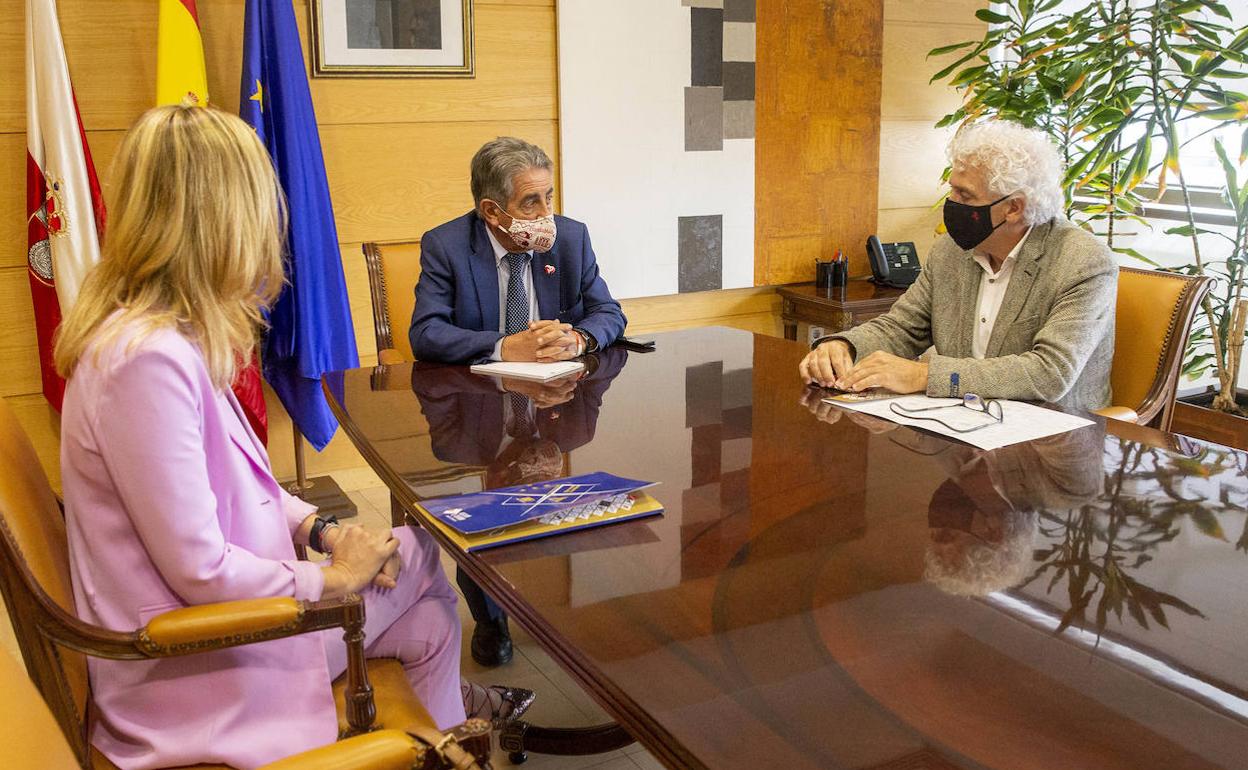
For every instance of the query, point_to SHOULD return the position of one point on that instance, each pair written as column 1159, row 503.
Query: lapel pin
column 550, row 270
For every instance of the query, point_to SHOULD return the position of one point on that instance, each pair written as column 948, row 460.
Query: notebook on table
column 497, row 517
column 528, row 370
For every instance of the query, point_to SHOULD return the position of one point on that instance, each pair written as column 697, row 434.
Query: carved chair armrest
column 220, row 626
column 228, row 624
column 247, row 621
column 1118, row 413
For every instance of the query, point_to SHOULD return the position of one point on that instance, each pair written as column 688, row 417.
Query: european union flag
column 311, row 331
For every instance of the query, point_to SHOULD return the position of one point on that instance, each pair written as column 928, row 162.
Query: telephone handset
column 893, row 264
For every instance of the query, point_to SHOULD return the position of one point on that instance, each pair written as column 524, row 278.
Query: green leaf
column 1186, row 231
column 1218, row 8
column 1136, row 255
column 968, row 75
column 944, row 49
column 1034, row 35
column 1228, row 168
column 944, row 73
column 992, row 17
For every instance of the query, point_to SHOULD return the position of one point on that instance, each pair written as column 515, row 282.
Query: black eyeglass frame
column 969, row 400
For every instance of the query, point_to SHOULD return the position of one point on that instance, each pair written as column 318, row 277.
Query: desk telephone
column 893, row 264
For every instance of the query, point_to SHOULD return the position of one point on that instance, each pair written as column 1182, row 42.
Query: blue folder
column 496, row 509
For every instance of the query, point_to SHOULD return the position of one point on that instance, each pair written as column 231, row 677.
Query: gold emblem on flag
column 53, row 209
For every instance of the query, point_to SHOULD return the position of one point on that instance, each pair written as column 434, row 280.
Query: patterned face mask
column 532, row 234
column 970, row 225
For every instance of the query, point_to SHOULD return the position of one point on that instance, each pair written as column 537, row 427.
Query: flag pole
column 301, row 471
column 322, row 491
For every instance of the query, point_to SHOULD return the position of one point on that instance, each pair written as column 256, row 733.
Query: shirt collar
column 983, row 262
column 499, row 252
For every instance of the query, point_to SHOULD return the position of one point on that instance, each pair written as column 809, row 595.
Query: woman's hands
column 360, row 557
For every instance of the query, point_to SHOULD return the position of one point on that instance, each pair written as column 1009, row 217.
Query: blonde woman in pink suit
column 169, row 497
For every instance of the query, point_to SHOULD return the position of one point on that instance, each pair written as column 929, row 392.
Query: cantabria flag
column 64, row 212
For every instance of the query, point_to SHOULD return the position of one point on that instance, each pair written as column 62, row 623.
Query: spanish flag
column 180, row 73
column 180, row 70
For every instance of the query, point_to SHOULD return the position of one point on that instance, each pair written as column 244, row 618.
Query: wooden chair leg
column 397, row 516
column 361, row 710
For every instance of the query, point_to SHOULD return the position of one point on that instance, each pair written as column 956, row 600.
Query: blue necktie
column 517, row 321
column 517, row 297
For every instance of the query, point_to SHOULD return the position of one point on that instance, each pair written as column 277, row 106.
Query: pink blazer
column 170, row 502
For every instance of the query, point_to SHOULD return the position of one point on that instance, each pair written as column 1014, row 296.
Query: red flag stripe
column 190, row 7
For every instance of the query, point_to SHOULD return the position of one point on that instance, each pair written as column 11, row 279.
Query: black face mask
column 970, row 225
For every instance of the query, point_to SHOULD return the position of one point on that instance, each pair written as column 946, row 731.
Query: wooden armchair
column 1153, row 322
column 35, row 581
column 393, row 269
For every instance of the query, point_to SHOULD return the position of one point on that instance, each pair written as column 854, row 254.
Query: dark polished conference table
column 829, row 592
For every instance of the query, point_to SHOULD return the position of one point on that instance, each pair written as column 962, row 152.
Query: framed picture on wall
column 392, row 38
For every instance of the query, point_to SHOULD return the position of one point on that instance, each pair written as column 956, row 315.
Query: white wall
column 623, row 68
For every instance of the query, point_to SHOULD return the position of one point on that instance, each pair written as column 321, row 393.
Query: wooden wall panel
column 112, row 58
column 18, row 351
column 393, row 182
column 912, row 149
column 912, row 157
column 42, row 423
column 818, row 120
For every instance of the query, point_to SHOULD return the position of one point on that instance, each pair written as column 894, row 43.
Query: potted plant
column 1124, row 89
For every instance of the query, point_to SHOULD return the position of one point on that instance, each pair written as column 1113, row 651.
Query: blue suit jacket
column 456, row 315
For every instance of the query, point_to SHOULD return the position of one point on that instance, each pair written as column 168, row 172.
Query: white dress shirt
column 504, row 277
column 992, row 288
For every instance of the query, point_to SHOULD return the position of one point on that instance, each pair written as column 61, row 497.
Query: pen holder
column 831, row 275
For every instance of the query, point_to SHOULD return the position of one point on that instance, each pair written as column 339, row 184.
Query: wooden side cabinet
column 843, row 309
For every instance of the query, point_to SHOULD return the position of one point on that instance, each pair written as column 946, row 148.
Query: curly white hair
column 971, row 567
column 1014, row 159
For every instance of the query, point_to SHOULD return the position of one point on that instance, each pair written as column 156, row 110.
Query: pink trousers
column 415, row 622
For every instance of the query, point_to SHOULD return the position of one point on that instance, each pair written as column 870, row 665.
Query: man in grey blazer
column 1015, row 302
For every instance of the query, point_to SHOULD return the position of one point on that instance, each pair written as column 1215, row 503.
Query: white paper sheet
column 523, row 370
column 1023, row 421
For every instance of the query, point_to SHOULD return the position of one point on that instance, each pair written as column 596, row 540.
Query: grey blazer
column 1054, row 335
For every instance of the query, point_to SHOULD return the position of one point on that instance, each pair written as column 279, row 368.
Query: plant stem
column 1225, row 400
column 1219, row 359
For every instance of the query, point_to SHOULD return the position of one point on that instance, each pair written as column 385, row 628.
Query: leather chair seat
column 398, row 708
column 100, row 762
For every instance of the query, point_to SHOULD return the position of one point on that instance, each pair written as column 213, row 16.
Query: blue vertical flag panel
column 310, row 326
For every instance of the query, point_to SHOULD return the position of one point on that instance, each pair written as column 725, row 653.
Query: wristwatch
column 591, row 344
column 317, row 533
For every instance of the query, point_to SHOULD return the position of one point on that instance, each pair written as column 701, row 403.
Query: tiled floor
column 560, row 702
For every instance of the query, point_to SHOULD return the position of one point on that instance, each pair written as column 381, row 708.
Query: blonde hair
column 194, row 242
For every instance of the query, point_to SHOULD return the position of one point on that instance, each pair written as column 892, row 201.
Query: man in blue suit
column 509, row 280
